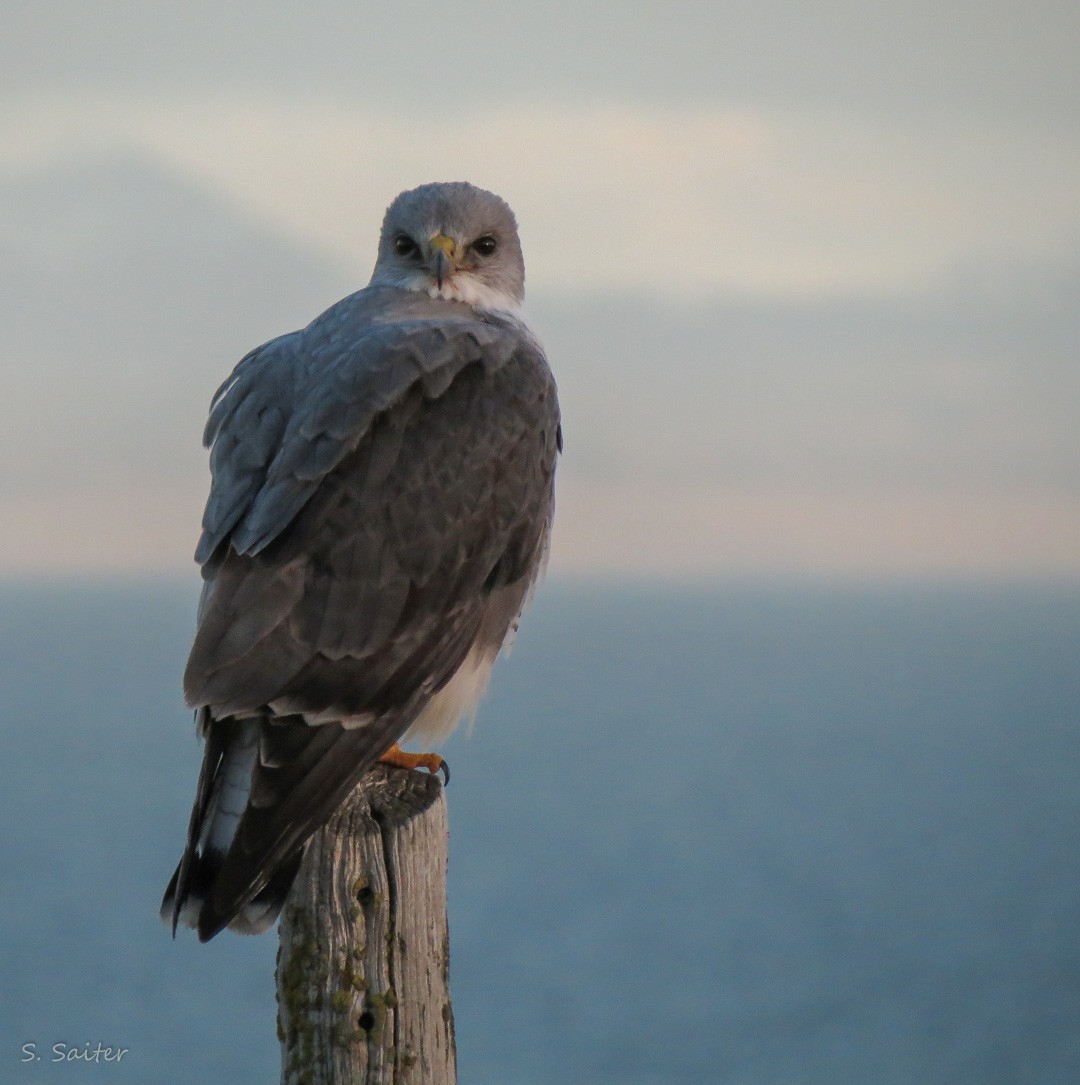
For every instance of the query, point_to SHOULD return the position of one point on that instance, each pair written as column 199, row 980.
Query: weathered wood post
column 363, row 965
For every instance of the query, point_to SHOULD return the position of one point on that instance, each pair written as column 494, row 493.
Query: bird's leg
column 430, row 761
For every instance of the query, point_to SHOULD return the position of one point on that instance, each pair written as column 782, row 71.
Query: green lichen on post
column 448, row 1021
column 308, row 986
column 446, row 959
column 300, row 997
column 402, row 1058
column 351, row 979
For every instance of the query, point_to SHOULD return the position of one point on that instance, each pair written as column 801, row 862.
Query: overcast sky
column 807, row 273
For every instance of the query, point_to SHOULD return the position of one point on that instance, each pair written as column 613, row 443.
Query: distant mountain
column 127, row 292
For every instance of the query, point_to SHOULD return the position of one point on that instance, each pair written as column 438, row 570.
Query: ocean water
column 733, row 835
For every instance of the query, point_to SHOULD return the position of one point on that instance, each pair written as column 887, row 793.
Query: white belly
column 457, row 700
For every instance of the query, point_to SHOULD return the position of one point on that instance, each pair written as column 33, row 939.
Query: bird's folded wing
column 412, row 479
column 295, row 407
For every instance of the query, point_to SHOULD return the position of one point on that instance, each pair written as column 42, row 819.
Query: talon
column 430, row 761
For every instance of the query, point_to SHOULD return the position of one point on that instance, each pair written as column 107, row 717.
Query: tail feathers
column 196, row 908
column 266, row 785
column 224, row 787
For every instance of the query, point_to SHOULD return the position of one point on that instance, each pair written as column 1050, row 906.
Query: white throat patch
column 468, row 290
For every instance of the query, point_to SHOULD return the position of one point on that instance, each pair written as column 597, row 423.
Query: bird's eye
column 485, row 246
column 405, row 246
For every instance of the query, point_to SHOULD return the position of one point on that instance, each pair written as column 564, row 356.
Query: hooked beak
column 442, row 258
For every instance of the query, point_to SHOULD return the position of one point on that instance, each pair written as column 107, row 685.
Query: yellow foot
column 430, row 761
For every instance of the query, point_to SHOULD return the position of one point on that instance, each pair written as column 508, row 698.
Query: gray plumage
column 380, row 508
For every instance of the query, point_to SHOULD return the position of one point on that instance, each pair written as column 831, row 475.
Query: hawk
column 380, row 508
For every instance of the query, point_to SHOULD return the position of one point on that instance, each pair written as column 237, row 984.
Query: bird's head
column 454, row 241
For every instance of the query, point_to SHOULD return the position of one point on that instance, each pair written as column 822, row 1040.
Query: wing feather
column 246, row 425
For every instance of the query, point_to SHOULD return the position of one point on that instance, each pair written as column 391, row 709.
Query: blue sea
column 749, row 835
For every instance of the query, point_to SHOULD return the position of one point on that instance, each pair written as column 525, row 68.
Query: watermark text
column 74, row 1053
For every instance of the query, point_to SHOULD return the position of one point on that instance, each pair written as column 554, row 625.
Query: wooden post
column 363, row 965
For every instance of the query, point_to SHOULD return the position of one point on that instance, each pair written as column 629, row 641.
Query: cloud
column 615, row 198
column 891, row 434
column 994, row 58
